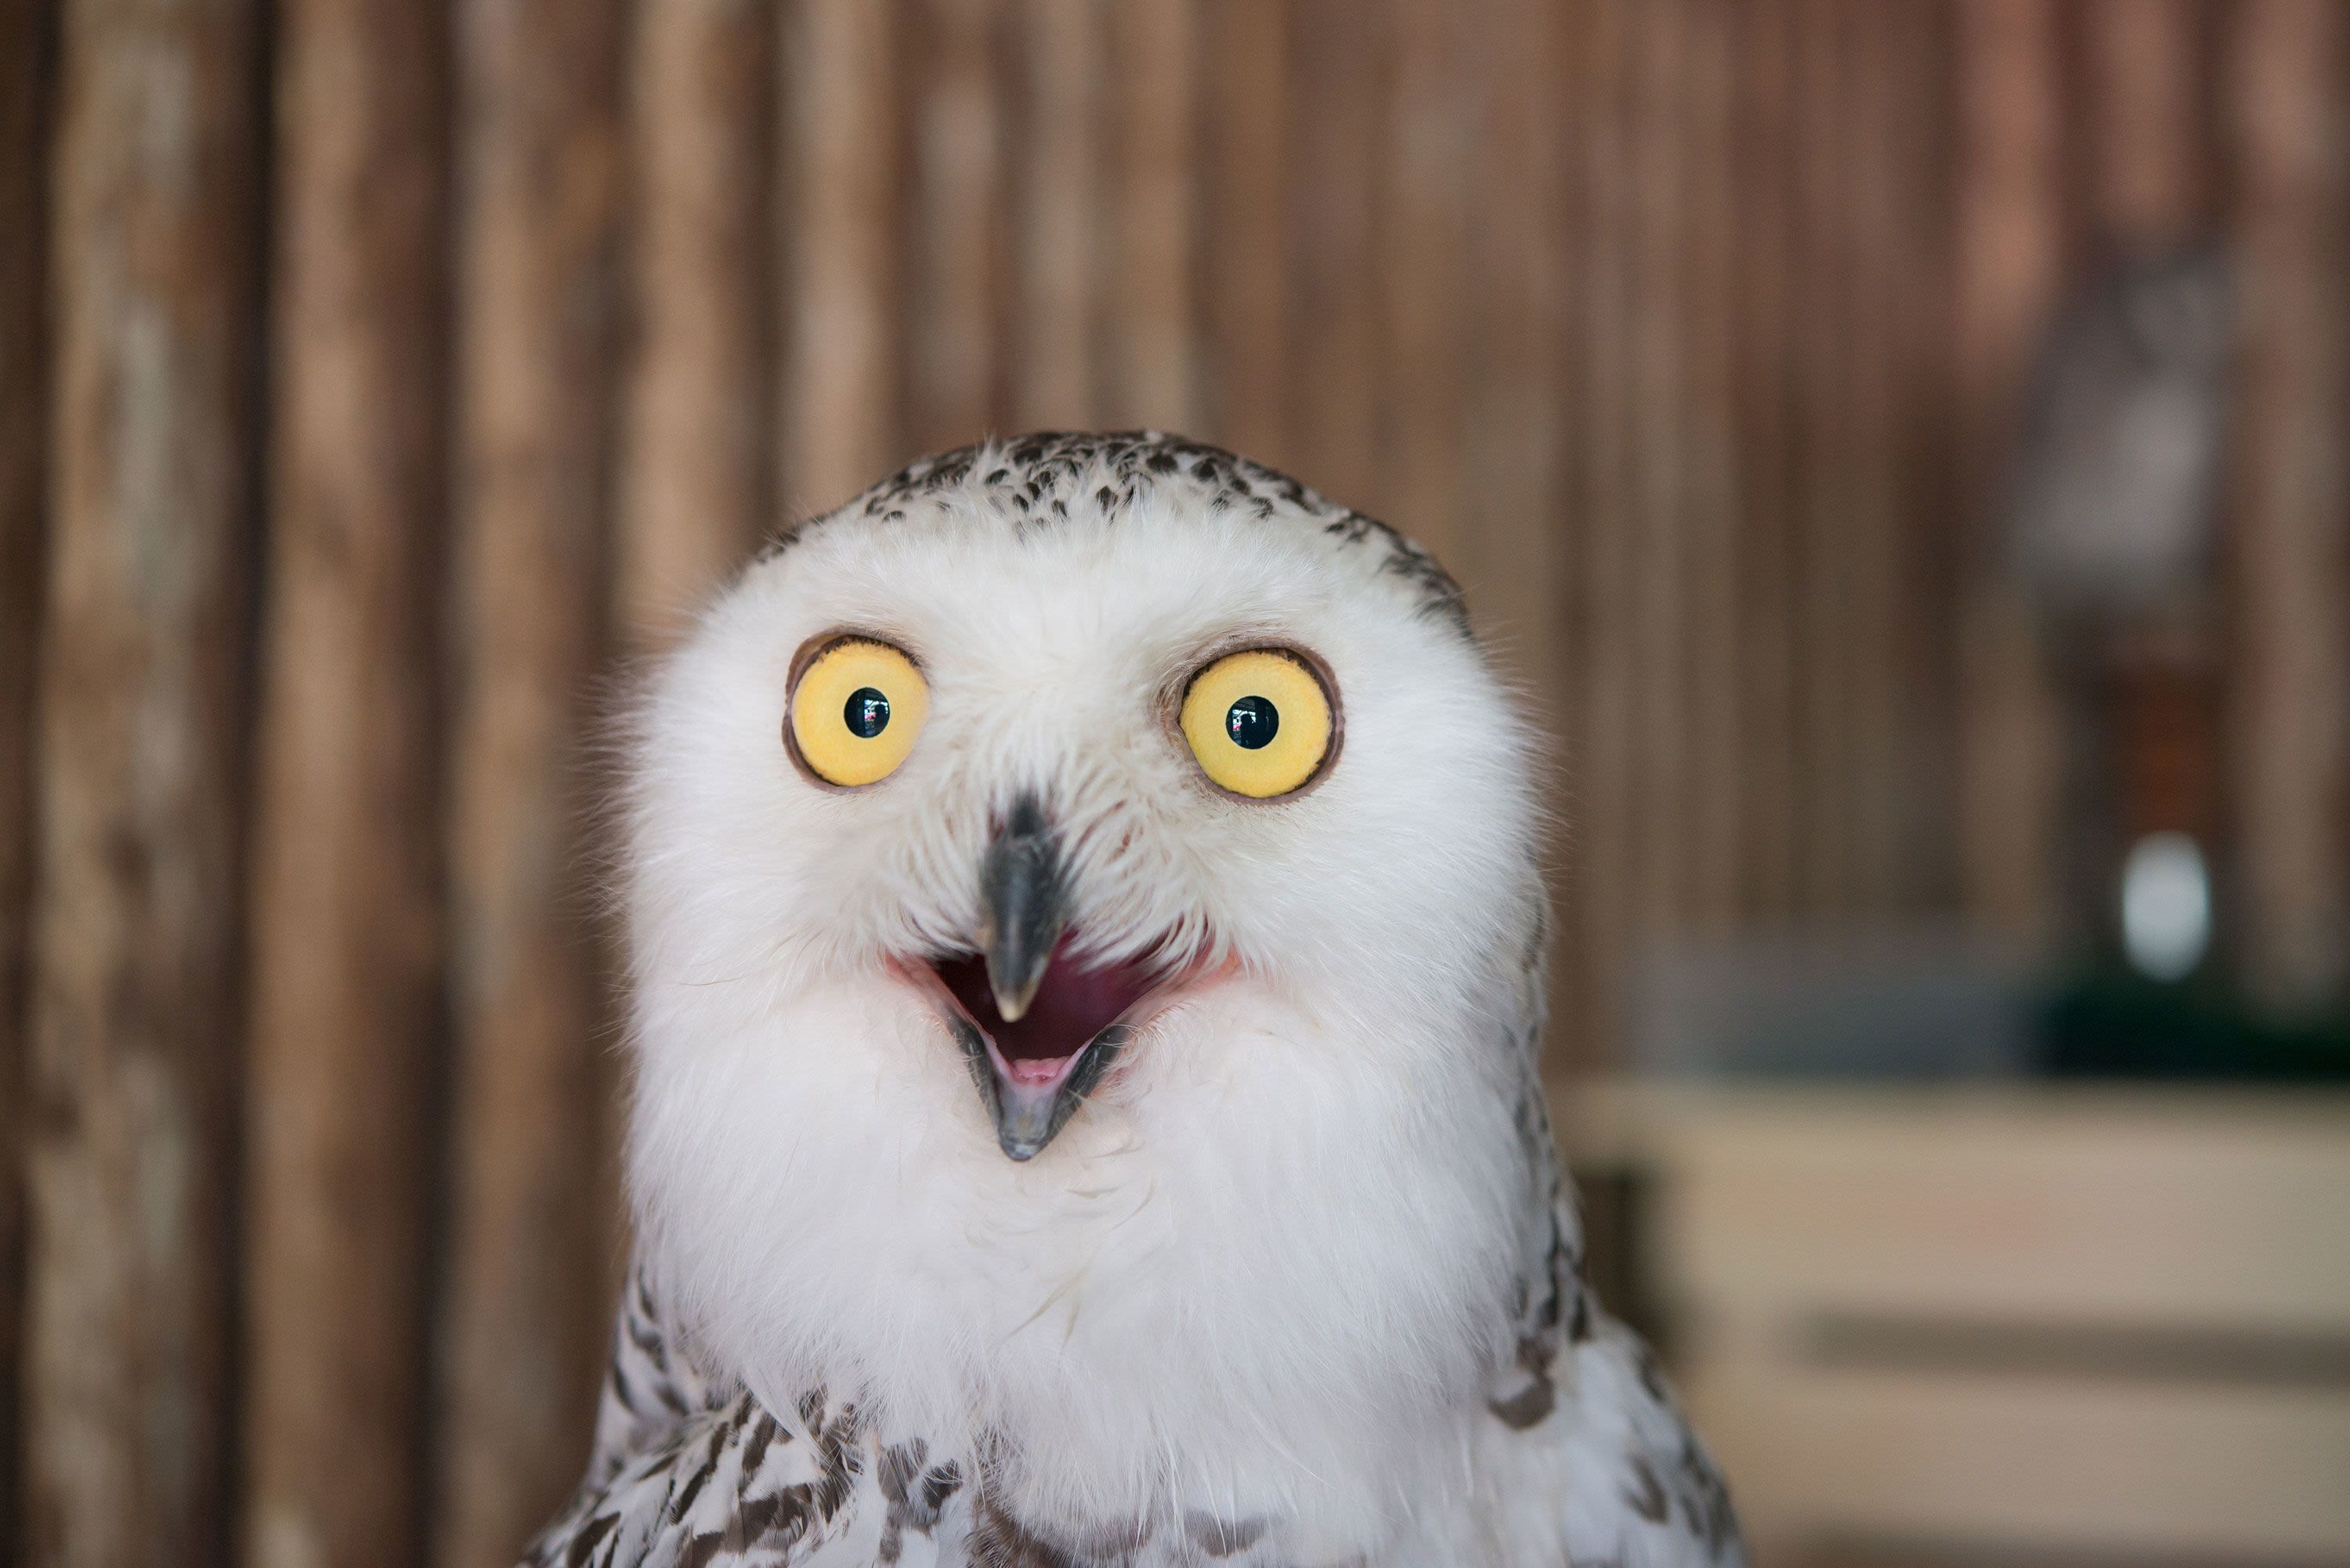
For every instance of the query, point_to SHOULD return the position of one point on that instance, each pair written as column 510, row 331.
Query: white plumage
column 1295, row 1282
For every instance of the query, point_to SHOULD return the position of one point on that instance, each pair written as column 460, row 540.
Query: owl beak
column 1025, row 904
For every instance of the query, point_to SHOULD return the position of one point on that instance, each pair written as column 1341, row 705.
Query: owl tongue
column 1073, row 1005
column 1034, row 1071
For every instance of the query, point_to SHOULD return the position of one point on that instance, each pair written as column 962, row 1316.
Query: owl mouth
column 1035, row 1069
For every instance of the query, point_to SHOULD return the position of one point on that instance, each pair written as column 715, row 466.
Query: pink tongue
column 1071, row 1007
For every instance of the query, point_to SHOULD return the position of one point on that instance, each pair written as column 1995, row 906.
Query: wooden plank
column 2290, row 543
column 1151, row 376
column 960, row 236
column 27, row 63
column 345, row 980
column 1515, row 534
column 1763, row 166
column 1600, row 728
column 2179, row 1210
column 523, row 1317
column 1823, row 452
column 2009, row 254
column 841, row 141
column 1245, row 90
column 1657, row 499
column 1712, row 767
column 696, row 483
column 2147, row 122
column 1920, row 240
column 154, row 281
column 1341, row 55
column 1874, row 652
column 1422, row 217
column 1055, row 332
column 2029, row 1468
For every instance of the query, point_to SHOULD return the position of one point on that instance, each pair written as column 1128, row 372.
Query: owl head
column 1083, row 877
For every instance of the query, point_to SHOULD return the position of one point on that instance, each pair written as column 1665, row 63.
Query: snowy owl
column 1085, row 934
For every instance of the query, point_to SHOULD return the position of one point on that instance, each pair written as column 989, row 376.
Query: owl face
column 1046, row 776
column 1079, row 897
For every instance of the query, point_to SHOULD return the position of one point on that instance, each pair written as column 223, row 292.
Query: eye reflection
column 1253, row 722
column 868, row 712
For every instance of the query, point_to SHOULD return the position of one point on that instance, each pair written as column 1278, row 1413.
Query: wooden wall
column 373, row 376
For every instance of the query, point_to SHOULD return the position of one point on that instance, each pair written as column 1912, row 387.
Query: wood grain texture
column 1062, row 243
column 28, row 61
column 1765, row 329
column 1245, row 87
column 345, row 977
column 1656, row 519
column 2291, row 537
column 1341, row 58
column 696, row 476
column 2149, row 131
column 1714, row 769
column 154, row 274
column 1512, row 527
column 1426, row 138
column 523, row 1314
column 1875, row 607
column 958, row 227
column 2010, row 228
column 1151, row 375
column 840, row 181
column 1824, row 452
column 1599, row 730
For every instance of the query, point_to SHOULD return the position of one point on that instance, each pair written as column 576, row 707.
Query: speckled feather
column 1571, row 1451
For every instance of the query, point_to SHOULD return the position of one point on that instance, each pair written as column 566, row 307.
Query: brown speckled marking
column 1032, row 473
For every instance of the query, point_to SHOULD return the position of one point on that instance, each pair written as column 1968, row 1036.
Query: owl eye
column 856, row 711
column 1259, row 721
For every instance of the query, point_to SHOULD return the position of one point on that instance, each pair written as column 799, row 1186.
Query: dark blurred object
column 1928, row 1000
column 2112, row 519
column 2114, row 503
column 2112, row 1021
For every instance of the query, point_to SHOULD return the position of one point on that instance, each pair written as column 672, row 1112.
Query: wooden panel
column 345, row 979
column 155, row 280
column 1063, row 51
column 1708, row 890
column 1340, row 52
column 696, row 481
column 1514, row 532
column 2010, row 229
column 2290, row 536
column 1245, row 88
column 1150, row 377
column 28, row 39
column 2148, row 129
column 1765, row 330
column 2184, row 1209
column 1422, row 213
column 524, row 1315
column 2164, row 1472
column 840, row 158
column 958, row 233
column 1599, row 743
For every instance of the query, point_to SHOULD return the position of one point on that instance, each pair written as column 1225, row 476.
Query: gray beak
column 1024, row 895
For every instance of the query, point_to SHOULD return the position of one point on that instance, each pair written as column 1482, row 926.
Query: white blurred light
column 2166, row 906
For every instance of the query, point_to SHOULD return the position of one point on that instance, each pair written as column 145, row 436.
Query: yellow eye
column 855, row 711
column 1259, row 721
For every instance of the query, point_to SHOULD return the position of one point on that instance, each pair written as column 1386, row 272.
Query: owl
column 1085, row 939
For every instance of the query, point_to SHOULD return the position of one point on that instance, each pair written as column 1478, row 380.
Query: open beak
column 1038, row 1027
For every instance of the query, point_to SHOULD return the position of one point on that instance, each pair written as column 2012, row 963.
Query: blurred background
column 1899, row 445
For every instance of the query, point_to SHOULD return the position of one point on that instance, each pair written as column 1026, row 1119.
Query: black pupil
column 868, row 712
column 1253, row 721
